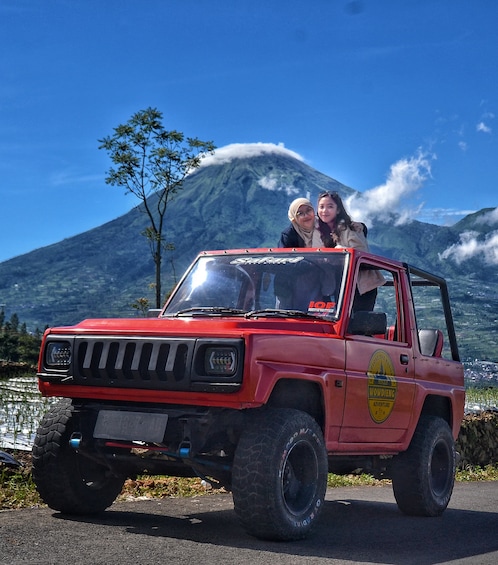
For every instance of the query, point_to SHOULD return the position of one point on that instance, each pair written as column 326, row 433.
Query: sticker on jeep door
column 382, row 386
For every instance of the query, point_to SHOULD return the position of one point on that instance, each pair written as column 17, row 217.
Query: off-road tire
column 280, row 474
column 424, row 475
column 67, row 481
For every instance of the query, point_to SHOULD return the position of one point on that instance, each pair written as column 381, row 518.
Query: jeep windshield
column 265, row 284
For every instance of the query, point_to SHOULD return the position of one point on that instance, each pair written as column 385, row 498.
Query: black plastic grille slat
column 180, row 365
column 137, row 363
column 162, row 358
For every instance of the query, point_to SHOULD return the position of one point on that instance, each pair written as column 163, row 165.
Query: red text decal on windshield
column 321, row 305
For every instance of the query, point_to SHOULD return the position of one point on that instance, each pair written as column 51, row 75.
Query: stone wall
column 477, row 442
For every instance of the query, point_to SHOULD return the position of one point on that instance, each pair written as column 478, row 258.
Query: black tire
column 67, row 481
column 280, row 475
column 424, row 475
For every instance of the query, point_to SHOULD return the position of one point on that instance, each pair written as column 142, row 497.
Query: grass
column 488, row 473
column 17, row 489
column 484, row 397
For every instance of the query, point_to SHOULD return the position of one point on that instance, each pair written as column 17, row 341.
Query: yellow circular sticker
column 382, row 386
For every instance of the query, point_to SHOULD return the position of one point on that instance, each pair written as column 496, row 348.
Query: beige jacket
column 367, row 280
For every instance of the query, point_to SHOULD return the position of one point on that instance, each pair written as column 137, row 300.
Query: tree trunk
column 157, row 261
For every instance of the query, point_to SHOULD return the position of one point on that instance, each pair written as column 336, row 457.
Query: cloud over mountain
column 273, row 182
column 476, row 241
column 472, row 246
column 394, row 198
column 490, row 218
column 227, row 153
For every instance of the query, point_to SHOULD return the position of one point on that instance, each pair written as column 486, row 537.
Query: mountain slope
column 236, row 204
column 101, row 272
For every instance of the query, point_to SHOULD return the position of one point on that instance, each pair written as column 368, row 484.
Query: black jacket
column 290, row 238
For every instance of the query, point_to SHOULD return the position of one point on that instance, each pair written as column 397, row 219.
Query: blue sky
column 373, row 93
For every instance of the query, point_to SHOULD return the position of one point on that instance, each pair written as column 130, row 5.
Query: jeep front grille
column 138, row 363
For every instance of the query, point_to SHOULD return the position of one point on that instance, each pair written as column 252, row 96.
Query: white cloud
column 470, row 246
column 406, row 177
column 490, row 218
column 481, row 126
column 273, row 183
column 463, row 145
column 226, row 154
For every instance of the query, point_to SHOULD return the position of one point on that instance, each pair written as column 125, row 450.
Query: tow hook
column 184, row 450
column 75, row 440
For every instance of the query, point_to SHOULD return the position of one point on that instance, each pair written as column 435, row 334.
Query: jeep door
column 380, row 383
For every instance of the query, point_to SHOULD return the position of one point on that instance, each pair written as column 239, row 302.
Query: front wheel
column 67, row 481
column 424, row 475
column 280, row 474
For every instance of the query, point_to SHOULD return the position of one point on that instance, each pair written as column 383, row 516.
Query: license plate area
column 130, row 426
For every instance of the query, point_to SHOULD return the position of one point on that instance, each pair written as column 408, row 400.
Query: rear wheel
column 67, row 481
column 424, row 475
column 280, row 475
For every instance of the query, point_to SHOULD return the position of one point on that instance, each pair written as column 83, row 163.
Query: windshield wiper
column 209, row 311
column 280, row 313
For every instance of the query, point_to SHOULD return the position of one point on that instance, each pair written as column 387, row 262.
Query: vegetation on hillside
column 17, row 346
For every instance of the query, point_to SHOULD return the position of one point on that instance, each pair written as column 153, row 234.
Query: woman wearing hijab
column 301, row 232
column 296, row 293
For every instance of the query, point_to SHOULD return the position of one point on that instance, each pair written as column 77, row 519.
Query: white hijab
column 311, row 237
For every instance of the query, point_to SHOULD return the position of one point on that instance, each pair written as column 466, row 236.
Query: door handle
column 404, row 359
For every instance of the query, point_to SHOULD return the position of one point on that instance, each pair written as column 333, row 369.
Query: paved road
column 358, row 526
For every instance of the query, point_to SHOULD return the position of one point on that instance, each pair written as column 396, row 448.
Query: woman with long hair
column 338, row 230
column 335, row 225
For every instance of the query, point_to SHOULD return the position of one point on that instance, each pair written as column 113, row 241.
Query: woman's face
column 327, row 210
column 305, row 217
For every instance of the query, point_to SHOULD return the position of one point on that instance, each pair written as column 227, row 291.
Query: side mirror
column 153, row 312
column 368, row 323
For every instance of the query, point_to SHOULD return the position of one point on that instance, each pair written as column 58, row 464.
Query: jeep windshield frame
column 271, row 283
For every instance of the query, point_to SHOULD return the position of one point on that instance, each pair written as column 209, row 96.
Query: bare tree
column 151, row 161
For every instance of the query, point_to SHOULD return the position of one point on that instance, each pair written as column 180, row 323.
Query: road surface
column 359, row 525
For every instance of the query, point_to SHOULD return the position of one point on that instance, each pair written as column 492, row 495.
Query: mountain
column 237, row 203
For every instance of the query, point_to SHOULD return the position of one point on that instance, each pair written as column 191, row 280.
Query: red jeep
column 261, row 376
